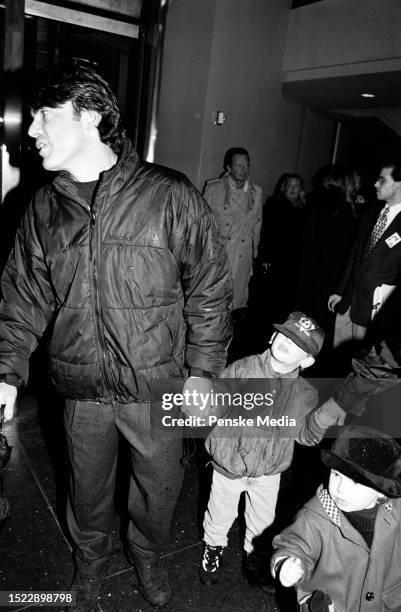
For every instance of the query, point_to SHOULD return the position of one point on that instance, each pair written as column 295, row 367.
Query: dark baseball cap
column 304, row 331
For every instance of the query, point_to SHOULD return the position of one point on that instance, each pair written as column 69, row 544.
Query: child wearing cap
column 252, row 461
column 344, row 547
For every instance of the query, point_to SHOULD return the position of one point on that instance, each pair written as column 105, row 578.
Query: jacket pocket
column 392, row 598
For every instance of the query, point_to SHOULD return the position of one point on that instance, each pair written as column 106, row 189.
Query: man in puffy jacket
column 121, row 262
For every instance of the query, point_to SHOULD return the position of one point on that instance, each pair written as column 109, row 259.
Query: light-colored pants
column 222, row 510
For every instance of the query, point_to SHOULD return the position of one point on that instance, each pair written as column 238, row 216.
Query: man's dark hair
column 228, row 157
column 395, row 170
column 86, row 90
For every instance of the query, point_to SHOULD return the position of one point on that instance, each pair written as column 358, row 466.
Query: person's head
column 342, row 181
column 352, row 184
column 335, row 179
column 296, row 343
column 236, row 163
column 320, row 176
column 351, row 496
column 291, row 187
column 388, row 185
column 365, row 468
column 73, row 111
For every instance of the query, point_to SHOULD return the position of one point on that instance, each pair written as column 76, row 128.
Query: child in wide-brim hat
column 346, row 541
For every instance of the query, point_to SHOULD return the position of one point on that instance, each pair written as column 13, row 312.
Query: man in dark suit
column 377, row 367
column 373, row 271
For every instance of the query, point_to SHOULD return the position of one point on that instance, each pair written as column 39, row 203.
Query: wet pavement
column 36, row 554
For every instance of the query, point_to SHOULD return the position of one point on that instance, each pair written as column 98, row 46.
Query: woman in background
column 327, row 240
column 280, row 244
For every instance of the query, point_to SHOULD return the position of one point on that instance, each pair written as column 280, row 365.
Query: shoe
column 209, row 569
column 153, row 579
column 257, row 571
column 87, row 589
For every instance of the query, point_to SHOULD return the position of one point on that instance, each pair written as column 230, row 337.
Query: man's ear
column 90, row 118
column 307, row 362
column 272, row 337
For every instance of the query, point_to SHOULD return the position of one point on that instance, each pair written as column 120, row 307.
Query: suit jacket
column 364, row 273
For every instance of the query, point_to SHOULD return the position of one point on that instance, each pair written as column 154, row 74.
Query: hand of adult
column 333, row 301
column 8, row 395
column 197, row 393
column 291, row 571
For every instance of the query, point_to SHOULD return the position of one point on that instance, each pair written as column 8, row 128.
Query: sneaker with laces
column 87, row 589
column 209, row 570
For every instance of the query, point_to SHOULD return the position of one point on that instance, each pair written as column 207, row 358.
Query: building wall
column 290, row 129
column 223, row 55
column 184, row 83
column 342, row 38
column 227, row 55
column 245, row 82
column 316, row 143
column 337, row 33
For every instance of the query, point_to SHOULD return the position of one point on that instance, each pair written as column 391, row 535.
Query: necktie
column 378, row 229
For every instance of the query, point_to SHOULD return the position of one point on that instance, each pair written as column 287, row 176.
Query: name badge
column 393, row 240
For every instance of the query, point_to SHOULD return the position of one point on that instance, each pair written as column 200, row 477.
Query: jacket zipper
column 94, row 250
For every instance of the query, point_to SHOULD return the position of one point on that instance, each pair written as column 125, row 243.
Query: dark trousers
column 92, row 431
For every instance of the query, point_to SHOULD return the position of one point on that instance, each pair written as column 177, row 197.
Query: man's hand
column 291, row 571
column 333, row 301
column 197, row 392
column 8, row 395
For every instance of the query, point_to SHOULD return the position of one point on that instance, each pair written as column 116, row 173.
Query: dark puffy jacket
column 132, row 289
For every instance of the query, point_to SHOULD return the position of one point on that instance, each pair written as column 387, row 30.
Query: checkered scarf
column 332, row 510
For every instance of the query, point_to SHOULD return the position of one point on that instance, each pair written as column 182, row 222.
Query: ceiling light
column 367, row 95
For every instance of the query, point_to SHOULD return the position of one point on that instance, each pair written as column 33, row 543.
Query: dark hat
column 304, row 331
column 367, row 456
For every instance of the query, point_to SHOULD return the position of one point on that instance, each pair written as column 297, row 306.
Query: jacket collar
column 126, row 164
column 332, row 510
column 329, row 506
column 387, row 523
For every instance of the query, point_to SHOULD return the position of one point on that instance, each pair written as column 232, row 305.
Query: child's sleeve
column 314, row 420
column 300, row 540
